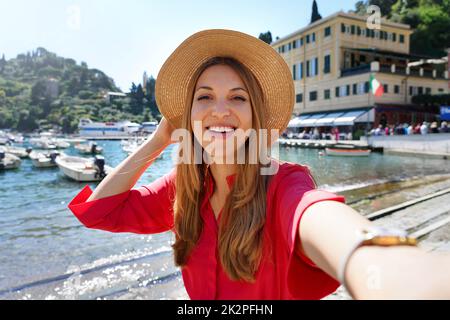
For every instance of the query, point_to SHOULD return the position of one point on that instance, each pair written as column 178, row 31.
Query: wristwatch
column 375, row 236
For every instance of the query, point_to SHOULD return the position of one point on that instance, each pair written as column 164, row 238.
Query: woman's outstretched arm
column 126, row 174
column 329, row 229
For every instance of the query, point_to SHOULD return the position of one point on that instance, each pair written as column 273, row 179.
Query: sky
column 126, row 38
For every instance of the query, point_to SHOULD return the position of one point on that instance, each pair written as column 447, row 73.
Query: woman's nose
column 221, row 109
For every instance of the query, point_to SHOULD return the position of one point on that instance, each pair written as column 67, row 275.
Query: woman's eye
column 203, row 98
column 240, row 98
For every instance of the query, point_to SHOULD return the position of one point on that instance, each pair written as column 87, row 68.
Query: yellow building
column 331, row 62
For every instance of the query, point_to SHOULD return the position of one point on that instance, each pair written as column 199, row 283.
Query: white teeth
column 221, row 129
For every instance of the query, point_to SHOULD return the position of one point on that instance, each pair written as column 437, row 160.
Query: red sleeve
column 145, row 210
column 305, row 280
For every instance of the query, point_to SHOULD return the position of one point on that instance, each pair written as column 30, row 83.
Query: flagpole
column 369, row 105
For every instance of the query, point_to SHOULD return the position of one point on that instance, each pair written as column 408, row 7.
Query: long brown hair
column 244, row 214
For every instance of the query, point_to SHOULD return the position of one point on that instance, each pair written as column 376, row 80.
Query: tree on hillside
column 429, row 19
column 315, row 16
column 266, row 37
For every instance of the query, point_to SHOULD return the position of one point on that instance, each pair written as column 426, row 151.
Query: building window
column 367, row 32
column 301, row 70
column 327, row 94
column 428, row 90
column 313, row 96
column 327, row 31
column 294, row 44
column 327, row 64
column 308, row 68
column 301, row 42
column 289, row 46
column 337, row 92
column 397, row 89
column 386, row 88
column 314, row 37
column 347, row 91
column 355, row 89
column 420, row 90
column 361, row 88
column 440, row 90
column 299, row 98
column 316, row 66
column 366, row 87
column 402, row 38
column 308, row 38
column 358, row 31
column 294, row 72
column 394, row 37
column 343, row 28
column 353, row 29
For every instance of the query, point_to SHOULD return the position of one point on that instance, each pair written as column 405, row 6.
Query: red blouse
column 284, row 273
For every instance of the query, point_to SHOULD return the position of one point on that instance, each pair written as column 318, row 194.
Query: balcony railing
column 399, row 70
column 355, row 71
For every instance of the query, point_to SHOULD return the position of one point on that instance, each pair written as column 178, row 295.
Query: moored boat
column 90, row 148
column 347, row 152
column 83, row 169
column 8, row 161
column 44, row 159
column 18, row 151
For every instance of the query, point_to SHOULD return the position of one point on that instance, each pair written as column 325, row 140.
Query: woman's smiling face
column 221, row 105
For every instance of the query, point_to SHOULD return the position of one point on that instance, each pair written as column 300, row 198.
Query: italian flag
column 376, row 87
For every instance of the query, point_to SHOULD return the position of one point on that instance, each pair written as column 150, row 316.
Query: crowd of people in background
column 316, row 134
column 411, row 129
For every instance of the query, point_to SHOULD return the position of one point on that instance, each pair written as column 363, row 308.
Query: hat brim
column 174, row 82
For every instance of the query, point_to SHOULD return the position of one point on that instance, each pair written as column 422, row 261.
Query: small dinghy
column 90, row 148
column 8, row 161
column 18, row 151
column 347, row 152
column 83, row 169
column 45, row 159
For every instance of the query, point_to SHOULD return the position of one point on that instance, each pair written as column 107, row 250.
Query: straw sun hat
column 175, row 79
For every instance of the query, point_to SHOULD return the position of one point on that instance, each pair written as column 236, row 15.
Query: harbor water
column 41, row 241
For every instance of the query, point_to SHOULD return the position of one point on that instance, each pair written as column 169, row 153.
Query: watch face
column 380, row 231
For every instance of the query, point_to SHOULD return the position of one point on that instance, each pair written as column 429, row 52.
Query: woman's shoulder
column 292, row 173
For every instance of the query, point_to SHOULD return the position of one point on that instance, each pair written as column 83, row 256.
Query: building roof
column 343, row 15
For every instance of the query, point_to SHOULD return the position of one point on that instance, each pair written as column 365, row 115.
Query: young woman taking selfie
column 249, row 228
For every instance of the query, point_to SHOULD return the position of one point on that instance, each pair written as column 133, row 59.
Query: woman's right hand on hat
column 164, row 132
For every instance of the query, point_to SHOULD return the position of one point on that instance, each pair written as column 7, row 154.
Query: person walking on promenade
column 248, row 226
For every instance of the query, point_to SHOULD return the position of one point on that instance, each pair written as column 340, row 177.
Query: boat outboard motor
column 94, row 148
column 99, row 164
column 53, row 156
column 2, row 156
column 29, row 149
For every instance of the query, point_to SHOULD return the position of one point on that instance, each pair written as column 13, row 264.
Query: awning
column 348, row 119
column 328, row 119
column 309, row 122
column 296, row 122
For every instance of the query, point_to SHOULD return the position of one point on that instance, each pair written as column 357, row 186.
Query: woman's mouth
column 221, row 132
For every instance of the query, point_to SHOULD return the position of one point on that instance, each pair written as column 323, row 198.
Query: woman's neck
column 220, row 172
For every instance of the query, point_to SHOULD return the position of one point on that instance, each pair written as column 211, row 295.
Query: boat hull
column 347, row 152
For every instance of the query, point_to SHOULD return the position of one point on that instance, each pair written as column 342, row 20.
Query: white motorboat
column 90, row 148
column 348, row 152
column 44, row 159
column 83, row 169
column 43, row 143
column 61, row 143
column 18, row 151
column 8, row 161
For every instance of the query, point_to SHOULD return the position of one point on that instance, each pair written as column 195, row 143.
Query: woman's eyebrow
column 209, row 88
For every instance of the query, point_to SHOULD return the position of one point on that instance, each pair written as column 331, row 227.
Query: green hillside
column 41, row 89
